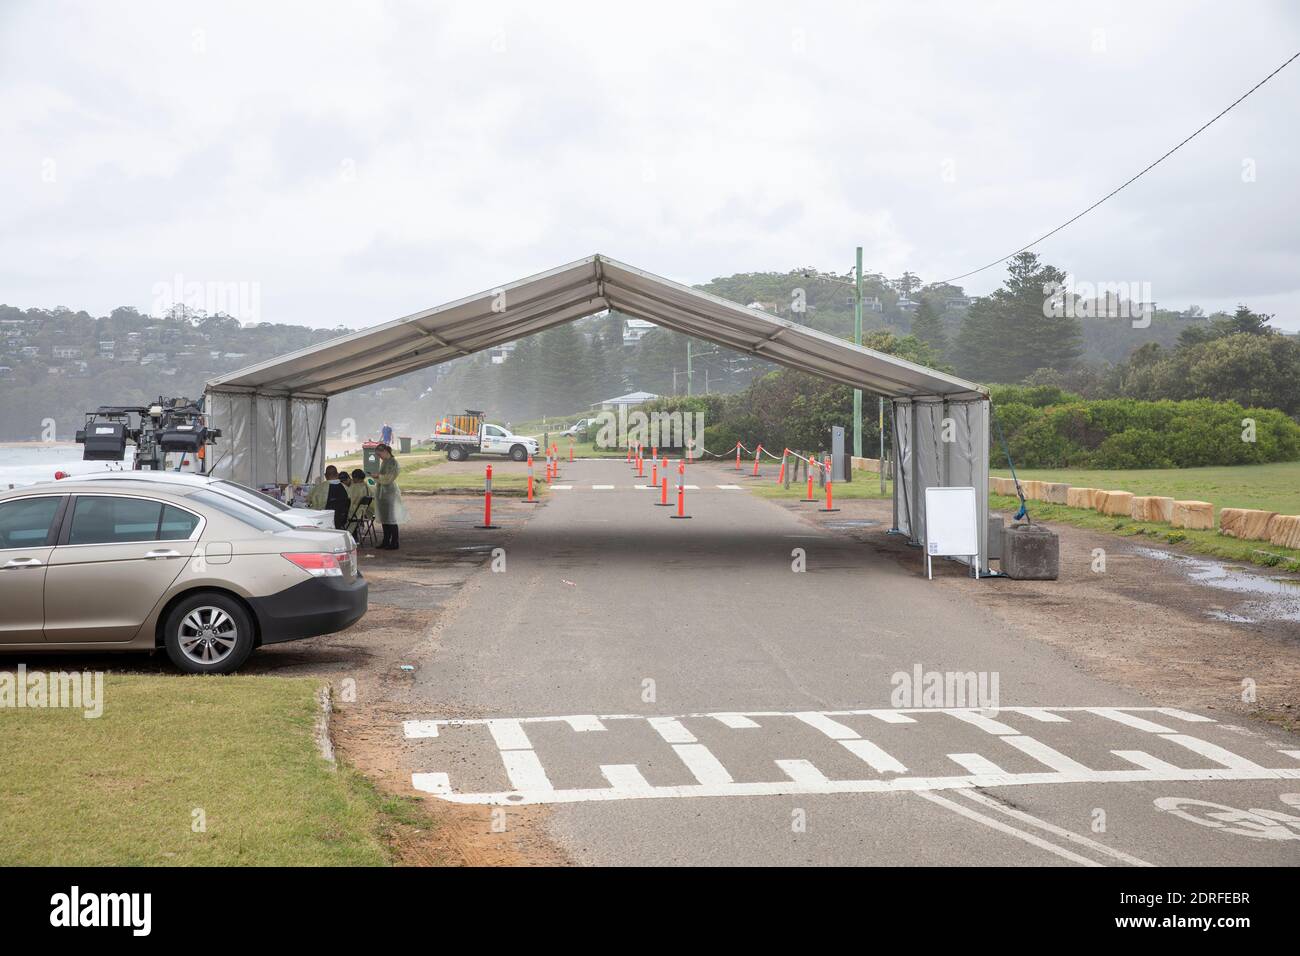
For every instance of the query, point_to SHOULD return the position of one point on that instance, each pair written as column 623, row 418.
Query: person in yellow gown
column 388, row 497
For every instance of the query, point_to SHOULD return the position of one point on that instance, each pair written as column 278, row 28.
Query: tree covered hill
column 57, row 364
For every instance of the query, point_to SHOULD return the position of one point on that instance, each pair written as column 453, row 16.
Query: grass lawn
column 122, row 789
column 1274, row 487
column 865, row 484
column 435, row 479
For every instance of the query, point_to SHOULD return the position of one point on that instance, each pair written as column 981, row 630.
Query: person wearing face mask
column 388, row 498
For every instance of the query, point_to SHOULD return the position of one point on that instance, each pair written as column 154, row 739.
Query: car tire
column 208, row 633
column 456, row 454
column 518, row 453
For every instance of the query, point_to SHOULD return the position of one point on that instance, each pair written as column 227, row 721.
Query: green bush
column 1128, row 433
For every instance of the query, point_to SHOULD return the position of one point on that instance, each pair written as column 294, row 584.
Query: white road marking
column 1030, row 838
column 584, row 723
column 1131, row 720
column 687, row 487
column 987, row 801
column 875, row 712
column 645, row 487
column 701, row 762
column 735, row 721
column 561, row 487
column 876, row 758
column 525, row 771
column 1042, row 714
column 626, row 778
column 728, row 487
column 1145, row 760
column 602, row 487
column 987, row 724
column 531, row 785
column 802, row 772
column 1046, row 755
column 671, row 730
column 977, row 764
column 1178, row 714
column 438, row 783
column 509, row 735
column 1213, row 752
column 831, row 728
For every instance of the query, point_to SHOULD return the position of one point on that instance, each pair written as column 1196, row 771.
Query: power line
column 1130, row 181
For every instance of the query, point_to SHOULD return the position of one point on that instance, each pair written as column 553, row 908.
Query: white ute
column 483, row 439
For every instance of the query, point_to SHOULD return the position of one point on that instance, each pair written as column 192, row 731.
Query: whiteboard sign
column 951, row 525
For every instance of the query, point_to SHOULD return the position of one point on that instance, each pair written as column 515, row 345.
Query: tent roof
column 570, row 292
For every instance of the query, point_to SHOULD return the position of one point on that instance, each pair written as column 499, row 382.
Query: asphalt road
column 676, row 692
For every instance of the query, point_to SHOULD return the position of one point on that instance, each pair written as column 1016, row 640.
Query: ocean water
column 22, row 464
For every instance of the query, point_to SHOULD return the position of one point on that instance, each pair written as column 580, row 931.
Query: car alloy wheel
column 207, row 635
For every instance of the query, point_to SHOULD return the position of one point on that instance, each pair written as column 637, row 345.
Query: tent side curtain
column 267, row 439
column 940, row 444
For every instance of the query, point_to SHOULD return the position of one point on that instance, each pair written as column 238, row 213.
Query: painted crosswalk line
column 881, row 752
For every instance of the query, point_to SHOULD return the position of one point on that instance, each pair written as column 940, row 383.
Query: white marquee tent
column 273, row 414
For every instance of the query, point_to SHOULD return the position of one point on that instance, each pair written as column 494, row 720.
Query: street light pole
column 857, row 340
column 688, row 366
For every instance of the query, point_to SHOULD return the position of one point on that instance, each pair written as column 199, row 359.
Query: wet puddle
column 1267, row 597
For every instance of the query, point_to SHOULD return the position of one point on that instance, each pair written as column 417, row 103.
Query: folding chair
column 362, row 522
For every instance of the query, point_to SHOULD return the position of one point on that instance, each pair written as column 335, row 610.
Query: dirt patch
column 1142, row 623
column 412, row 592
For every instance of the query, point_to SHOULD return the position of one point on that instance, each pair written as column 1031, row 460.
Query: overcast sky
column 352, row 163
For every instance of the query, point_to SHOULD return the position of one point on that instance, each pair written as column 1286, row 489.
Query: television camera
column 169, row 425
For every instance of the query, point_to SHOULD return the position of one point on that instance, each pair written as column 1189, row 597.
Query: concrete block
column 1081, row 497
column 1030, row 552
column 1246, row 523
column 1056, row 492
column 997, row 527
column 1285, row 531
column 1193, row 515
column 1152, row 508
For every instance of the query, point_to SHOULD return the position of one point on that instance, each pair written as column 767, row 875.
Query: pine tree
column 1013, row 332
column 928, row 326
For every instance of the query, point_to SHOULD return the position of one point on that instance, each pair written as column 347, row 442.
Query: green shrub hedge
column 1064, row 431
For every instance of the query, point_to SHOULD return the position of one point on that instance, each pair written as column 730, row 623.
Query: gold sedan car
column 136, row 566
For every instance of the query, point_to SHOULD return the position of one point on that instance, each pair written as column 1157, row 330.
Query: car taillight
column 322, row 564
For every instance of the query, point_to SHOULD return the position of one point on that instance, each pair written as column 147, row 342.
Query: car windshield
column 249, row 496
column 234, row 508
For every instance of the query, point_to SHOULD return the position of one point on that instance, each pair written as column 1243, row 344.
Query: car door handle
column 17, row 563
column 159, row 555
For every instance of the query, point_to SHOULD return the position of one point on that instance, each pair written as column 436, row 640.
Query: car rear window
column 177, row 524
column 233, row 508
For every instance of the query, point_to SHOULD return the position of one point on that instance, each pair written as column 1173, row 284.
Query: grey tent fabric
column 273, row 413
column 570, row 292
column 940, row 444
